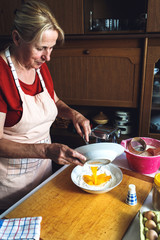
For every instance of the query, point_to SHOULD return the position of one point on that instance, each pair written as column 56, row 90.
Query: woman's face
column 35, row 54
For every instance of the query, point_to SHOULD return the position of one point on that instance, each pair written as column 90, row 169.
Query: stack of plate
column 123, row 121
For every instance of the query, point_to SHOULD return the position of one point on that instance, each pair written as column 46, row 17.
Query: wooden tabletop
column 68, row 213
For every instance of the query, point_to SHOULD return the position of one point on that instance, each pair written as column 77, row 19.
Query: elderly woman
column 29, row 105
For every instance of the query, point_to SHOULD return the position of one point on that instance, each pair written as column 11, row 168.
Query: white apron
column 19, row 176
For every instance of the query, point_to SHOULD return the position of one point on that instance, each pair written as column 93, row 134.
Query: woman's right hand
column 63, row 155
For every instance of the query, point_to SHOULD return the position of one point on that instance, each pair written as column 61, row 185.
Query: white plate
column 101, row 150
column 79, row 171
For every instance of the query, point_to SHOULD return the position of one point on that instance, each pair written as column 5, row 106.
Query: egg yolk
column 95, row 179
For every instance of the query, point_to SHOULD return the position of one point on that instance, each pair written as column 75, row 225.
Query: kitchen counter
column 68, row 195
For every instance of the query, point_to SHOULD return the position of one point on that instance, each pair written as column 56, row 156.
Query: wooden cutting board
column 68, row 213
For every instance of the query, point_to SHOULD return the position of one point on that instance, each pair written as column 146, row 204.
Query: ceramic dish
column 101, row 150
column 116, row 179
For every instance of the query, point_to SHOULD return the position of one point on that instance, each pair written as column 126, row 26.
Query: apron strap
column 41, row 78
column 8, row 56
column 14, row 73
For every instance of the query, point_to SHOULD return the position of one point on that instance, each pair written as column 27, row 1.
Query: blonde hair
column 33, row 19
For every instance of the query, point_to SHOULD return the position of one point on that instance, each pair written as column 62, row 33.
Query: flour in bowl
column 87, row 171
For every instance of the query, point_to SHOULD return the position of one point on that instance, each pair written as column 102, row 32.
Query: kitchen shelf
column 116, row 32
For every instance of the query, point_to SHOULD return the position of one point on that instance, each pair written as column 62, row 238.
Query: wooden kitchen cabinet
column 95, row 16
column 92, row 16
column 150, row 109
column 98, row 74
column 69, row 14
column 99, row 16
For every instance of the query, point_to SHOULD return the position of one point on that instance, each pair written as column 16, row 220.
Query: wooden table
column 68, row 213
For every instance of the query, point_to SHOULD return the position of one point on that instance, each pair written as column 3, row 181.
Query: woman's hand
column 63, row 155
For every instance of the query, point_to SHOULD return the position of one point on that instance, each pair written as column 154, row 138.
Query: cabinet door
column 98, row 77
column 7, row 9
column 149, row 105
column 153, row 17
column 69, row 14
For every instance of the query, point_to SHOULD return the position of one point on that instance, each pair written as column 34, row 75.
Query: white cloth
column 20, row 228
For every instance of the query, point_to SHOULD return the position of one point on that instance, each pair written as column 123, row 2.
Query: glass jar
column 156, row 192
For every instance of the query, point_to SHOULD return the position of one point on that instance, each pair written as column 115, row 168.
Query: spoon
column 97, row 162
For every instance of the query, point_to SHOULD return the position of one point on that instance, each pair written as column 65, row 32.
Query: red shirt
column 10, row 101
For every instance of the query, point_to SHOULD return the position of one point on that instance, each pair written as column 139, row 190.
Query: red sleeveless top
column 10, row 102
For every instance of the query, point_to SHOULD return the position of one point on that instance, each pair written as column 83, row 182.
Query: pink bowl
column 143, row 164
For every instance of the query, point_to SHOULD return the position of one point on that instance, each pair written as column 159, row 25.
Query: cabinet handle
column 86, row 52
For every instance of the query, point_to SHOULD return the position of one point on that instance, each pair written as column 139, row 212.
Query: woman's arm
column 59, row 153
